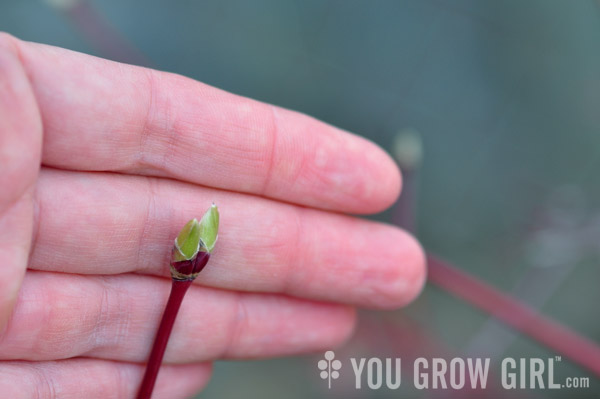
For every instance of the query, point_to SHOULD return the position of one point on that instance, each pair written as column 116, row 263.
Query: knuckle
column 44, row 384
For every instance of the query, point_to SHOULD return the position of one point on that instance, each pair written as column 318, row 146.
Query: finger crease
column 150, row 212
column 147, row 125
column 295, row 255
column 44, row 384
column 274, row 133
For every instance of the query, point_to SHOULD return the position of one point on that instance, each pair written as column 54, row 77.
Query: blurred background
column 493, row 108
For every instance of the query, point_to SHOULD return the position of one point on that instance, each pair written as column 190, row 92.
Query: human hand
column 127, row 156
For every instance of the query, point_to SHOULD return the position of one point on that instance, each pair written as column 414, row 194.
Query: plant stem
column 178, row 290
column 559, row 338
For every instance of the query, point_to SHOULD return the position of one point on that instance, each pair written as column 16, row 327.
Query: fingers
column 61, row 316
column 96, row 379
column 20, row 149
column 101, row 115
column 108, row 223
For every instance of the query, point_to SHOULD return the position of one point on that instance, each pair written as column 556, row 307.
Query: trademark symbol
column 558, row 358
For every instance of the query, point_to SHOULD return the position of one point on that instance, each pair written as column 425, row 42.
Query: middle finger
column 102, row 223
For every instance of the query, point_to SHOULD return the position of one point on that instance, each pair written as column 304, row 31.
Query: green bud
column 197, row 236
column 209, row 228
column 188, row 241
column 408, row 148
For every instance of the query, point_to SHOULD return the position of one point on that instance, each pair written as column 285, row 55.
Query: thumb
column 20, row 155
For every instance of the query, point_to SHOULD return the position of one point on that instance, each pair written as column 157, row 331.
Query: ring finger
column 59, row 316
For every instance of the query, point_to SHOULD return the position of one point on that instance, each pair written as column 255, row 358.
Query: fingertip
column 387, row 180
column 403, row 276
column 375, row 180
column 338, row 323
column 415, row 270
column 184, row 381
column 348, row 325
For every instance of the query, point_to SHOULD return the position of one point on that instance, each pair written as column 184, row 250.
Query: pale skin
column 103, row 163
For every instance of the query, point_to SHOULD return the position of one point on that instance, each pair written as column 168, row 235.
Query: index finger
column 102, row 115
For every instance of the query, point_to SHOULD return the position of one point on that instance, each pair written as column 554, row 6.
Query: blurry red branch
column 100, row 33
column 508, row 309
column 519, row 316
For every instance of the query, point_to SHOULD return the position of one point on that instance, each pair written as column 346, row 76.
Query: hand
column 127, row 156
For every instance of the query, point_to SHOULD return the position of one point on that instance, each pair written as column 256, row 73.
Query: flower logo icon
column 329, row 367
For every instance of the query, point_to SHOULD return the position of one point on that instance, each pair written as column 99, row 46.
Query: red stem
column 521, row 317
column 102, row 36
column 178, row 290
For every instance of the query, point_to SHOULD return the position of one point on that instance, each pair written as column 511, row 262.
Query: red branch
column 102, row 35
column 521, row 317
column 178, row 290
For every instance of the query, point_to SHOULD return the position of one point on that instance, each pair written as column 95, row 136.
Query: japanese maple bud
column 209, row 229
column 193, row 245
